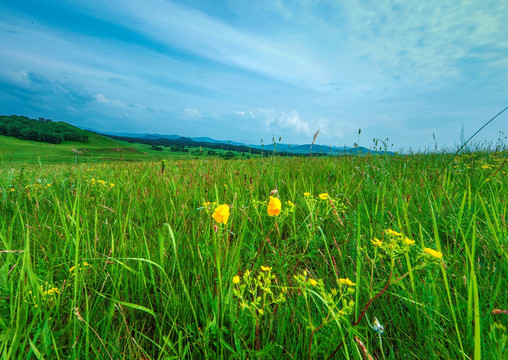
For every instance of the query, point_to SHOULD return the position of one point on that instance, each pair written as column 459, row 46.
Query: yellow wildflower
column 274, row 206
column 347, row 282
column 323, row 196
column 306, row 194
column 434, row 253
column 376, row 242
column 312, row 282
column 51, row 291
column 236, row 279
column 266, row 268
column 393, row 233
column 221, row 214
column 408, row 241
column 290, row 203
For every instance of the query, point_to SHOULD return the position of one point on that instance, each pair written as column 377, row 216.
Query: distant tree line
column 43, row 130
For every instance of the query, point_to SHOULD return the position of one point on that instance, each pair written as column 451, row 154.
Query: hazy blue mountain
column 213, row 141
column 289, row 148
column 316, row 149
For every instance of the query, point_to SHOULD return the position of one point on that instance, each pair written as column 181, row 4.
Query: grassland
column 383, row 256
column 98, row 149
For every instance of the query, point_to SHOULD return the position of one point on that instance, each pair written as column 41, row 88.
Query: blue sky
column 248, row 70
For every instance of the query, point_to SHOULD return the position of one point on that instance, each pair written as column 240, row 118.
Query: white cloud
column 101, row 98
column 192, row 113
column 15, row 78
column 279, row 122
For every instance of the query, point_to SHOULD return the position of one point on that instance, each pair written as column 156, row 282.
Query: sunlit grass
column 392, row 256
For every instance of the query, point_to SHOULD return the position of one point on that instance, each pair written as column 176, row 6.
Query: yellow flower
column 347, row 282
column 393, row 233
column 434, row 253
column 312, row 282
column 236, row 279
column 221, row 214
column 408, row 241
column 376, row 242
column 323, row 196
column 51, row 291
column 306, row 194
column 290, row 203
column 274, row 206
column 266, row 268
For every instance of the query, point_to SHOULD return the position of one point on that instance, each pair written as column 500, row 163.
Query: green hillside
column 14, row 150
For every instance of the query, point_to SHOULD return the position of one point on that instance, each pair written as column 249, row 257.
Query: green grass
column 98, row 149
column 122, row 260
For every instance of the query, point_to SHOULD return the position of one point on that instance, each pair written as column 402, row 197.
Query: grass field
column 284, row 258
column 99, row 149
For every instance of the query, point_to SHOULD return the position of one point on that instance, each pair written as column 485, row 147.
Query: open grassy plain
column 284, row 258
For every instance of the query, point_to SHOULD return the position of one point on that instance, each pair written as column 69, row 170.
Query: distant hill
column 213, row 141
column 201, row 139
column 64, row 143
column 185, row 141
column 43, row 130
column 282, row 149
column 143, row 135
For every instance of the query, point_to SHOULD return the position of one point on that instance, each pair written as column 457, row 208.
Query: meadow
column 351, row 257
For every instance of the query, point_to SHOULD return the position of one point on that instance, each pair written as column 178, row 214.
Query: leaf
column 131, row 305
column 36, row 351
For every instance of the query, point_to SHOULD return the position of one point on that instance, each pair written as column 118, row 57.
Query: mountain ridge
column 297, row 149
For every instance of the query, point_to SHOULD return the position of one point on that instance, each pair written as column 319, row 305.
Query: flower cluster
column 46, row 294
column 79, row 267
column 339, row 301
column 274, row 208
column 104, row 183
column 395, row 244
column 257, row 293
column 330, row 202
